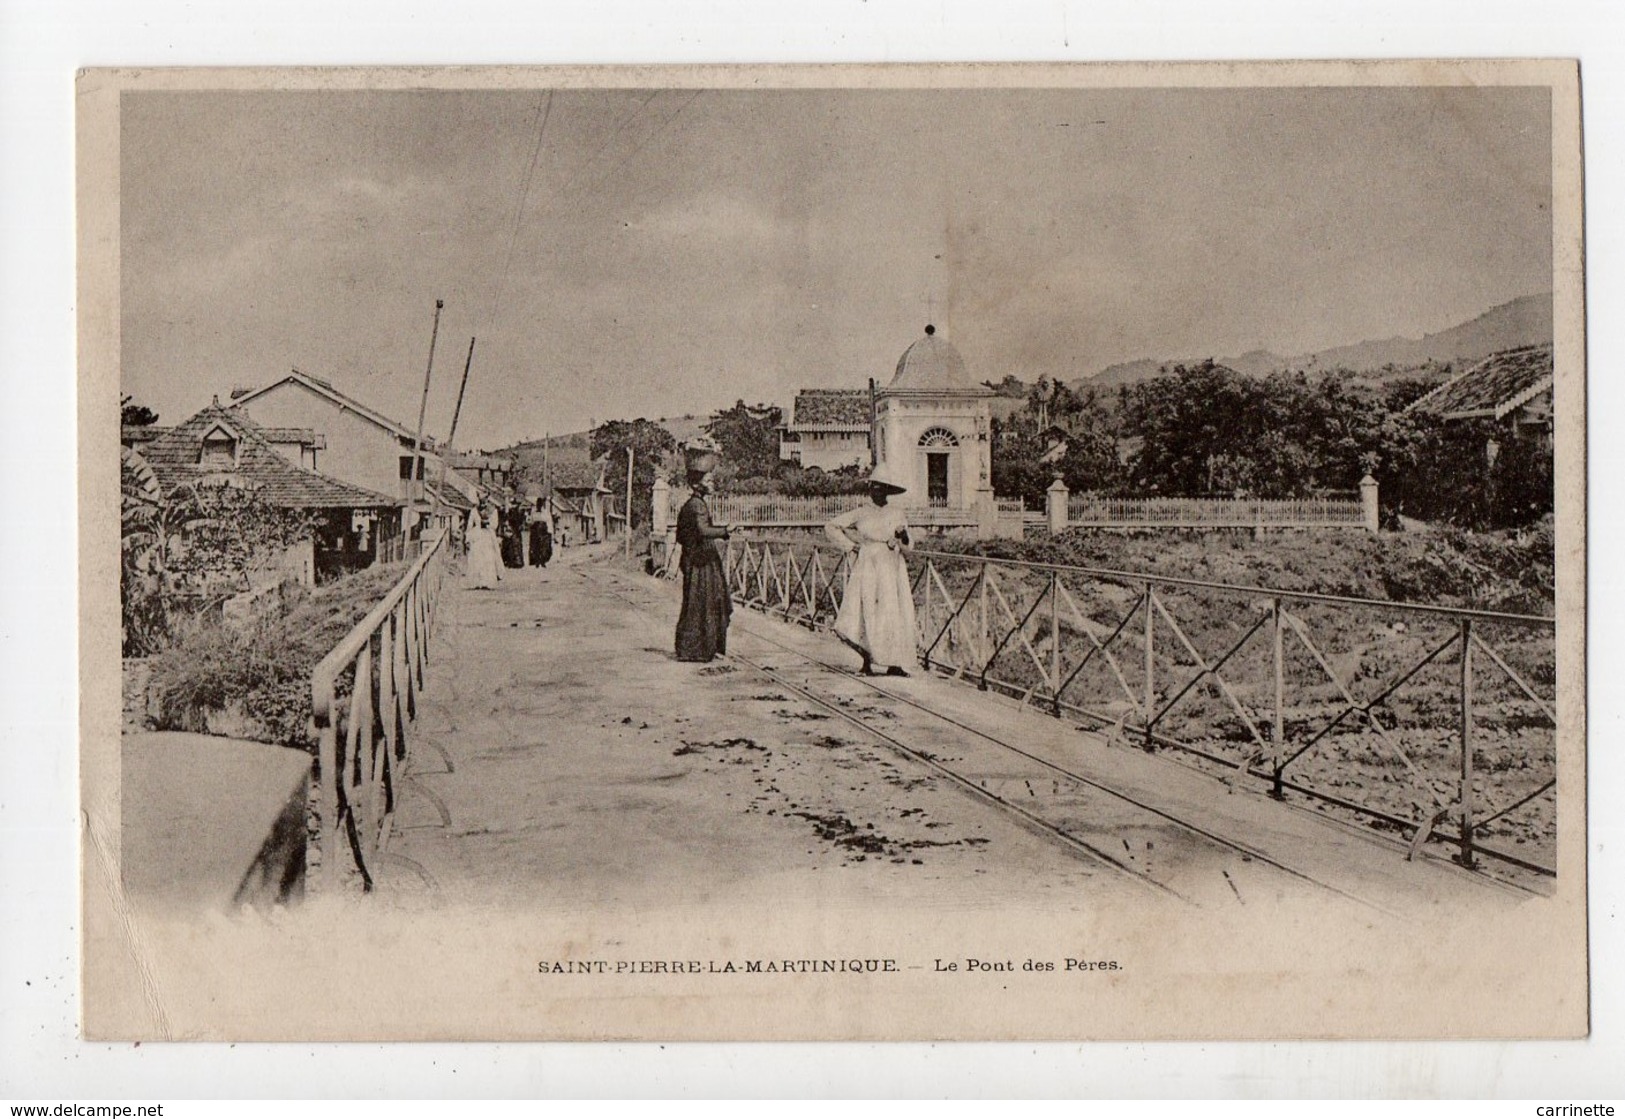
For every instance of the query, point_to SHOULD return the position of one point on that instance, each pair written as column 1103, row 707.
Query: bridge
column 1068, row 736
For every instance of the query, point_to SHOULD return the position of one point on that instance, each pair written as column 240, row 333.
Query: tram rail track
column 1066, row 835
column 1089, row 818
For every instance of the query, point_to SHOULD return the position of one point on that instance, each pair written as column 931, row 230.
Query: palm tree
column 151, row 525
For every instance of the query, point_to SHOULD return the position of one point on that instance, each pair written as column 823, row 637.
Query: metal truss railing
column 1433, row 721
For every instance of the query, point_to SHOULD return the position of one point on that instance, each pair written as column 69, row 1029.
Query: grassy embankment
column 254, row 681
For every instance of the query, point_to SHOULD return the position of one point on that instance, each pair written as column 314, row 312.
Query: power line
column 564, row 192
column 693, row 97
column 560, row 195
column 608, row 140
column 545, row 111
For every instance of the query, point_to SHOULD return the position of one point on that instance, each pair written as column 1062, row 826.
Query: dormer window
column 219, row 450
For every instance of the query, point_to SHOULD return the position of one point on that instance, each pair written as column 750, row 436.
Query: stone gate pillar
column 1055, row 500
column 660, row 507
column 987, row 514
column 1368, row 503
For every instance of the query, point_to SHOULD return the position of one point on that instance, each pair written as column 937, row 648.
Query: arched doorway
column 940, row 448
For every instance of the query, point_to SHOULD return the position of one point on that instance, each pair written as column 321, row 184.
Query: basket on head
column 702, row 455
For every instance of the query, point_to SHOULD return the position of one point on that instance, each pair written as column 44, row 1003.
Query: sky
column 625, row 253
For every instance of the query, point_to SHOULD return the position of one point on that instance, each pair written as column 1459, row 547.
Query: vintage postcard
column 833, row 553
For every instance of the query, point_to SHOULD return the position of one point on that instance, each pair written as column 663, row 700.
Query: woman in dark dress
column 702, row 627
column 541, row 537
column 513, row 545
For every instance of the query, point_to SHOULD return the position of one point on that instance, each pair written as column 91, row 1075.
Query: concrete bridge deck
column 595, row 770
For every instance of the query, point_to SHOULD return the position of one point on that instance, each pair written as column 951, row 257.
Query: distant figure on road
column 702, row 627
column 877, row 614
column 484, row 563
column 511, row 528
column 541, row 535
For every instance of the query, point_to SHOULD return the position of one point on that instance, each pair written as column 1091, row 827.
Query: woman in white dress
column 877, row 614
column 484, row 561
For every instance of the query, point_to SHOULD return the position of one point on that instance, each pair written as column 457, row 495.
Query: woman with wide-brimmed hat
column 877, row 613
column 702, row 627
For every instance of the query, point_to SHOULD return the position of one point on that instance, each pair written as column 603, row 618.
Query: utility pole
column 874, row 456
column 456, row 413
column 451, row 436
column 629, row 461
column 423, row 405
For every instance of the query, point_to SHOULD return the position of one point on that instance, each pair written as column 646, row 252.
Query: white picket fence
column 772, row 510
column 1084, row 510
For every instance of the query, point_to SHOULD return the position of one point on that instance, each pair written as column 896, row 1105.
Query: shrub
column 193, row 544
column 1512, row 571
column 263, row 670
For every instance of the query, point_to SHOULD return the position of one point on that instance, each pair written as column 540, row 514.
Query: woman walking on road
column 512, row 527
column 877, row 613
column 484, row 563
column 541, row 535
column 702, row 627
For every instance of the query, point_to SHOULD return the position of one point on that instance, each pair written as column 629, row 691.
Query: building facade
column 354, row 526
column 577, row 501
column 361, row 446
column 932, row 426
column 828, row 429
column 491, row 472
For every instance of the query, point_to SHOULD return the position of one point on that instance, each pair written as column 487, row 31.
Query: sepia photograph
column 833, row 553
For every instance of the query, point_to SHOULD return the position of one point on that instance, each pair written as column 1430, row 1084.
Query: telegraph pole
column 874, row 454
column 629, row 460
column 423, row 405
column 458, row 411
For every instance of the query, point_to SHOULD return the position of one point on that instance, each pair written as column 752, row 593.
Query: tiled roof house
column 1513, row 384
column 830, row 410
column 355, row 526
column 220, row 445
column 577, row 500
column 828, row 429
column 362, row 445
column 578, row 478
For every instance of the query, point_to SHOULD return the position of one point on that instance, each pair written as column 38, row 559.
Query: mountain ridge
column 1524, row 321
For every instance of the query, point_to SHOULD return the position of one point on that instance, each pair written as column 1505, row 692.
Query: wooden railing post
column 373, row 760
column 387, row 704
column 986, row 652
column 401, row 677
column 387, row 654
column 327, row 753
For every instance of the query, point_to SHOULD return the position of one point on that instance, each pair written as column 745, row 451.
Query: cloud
column 715, row 217
column 318, row 209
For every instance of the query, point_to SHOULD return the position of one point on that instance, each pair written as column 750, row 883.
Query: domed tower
column 932, row 424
